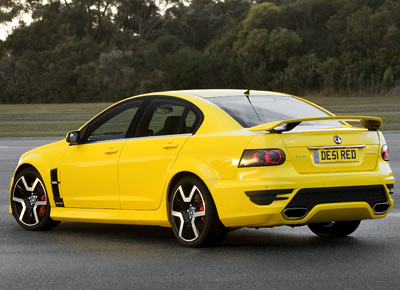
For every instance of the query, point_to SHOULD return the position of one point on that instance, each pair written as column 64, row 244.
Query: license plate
column 335, row 155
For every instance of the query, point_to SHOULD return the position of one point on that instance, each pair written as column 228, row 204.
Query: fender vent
column 55, row 187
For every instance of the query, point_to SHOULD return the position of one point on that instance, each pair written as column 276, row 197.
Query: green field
column 41, row 120
column 45, row 120
column 385, row 107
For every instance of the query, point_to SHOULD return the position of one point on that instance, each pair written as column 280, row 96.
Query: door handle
column 170, row 145
column 111, row 151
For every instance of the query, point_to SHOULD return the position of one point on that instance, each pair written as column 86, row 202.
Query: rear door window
column 170, row 117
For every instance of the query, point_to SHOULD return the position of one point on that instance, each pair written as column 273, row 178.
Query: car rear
column 311, row 172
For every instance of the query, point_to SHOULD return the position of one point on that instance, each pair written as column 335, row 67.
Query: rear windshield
column 268, row 109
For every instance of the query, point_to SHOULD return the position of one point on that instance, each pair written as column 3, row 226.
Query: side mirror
column 73, row 137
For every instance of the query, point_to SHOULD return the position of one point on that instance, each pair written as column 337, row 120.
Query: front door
column 89, row 171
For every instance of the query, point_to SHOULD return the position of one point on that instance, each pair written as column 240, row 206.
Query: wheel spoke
column 22, row 214
column 199, row 214
column 31, row 217
column 194, row 189
column 22, row 191
column 19, row 200
column 195, row 229
column 27, row 188
column 190, row 197
column 188, row 230
column 27, row 218
column 35, row 214
column 177, row 214
column 182, row 222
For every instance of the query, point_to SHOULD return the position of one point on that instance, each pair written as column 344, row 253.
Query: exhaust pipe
column 295, row 213
column 381, row 208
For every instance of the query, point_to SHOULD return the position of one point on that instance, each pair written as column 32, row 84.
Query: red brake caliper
column 201, row 208
column 42, row 208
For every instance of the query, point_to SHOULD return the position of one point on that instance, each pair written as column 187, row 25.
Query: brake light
column 262, row 157
column 385, row 152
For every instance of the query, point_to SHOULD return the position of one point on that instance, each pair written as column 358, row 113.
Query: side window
column 166, row 119
column 114, row 124
column 192, row 121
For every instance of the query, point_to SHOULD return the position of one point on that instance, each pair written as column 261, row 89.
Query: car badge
column 337, row 139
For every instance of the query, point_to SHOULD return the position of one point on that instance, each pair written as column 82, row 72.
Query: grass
column 385, row 107
column 45, row 120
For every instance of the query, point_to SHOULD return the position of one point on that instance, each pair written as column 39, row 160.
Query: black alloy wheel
column 29, row 201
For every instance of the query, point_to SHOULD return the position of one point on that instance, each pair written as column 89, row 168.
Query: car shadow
column 280, row 238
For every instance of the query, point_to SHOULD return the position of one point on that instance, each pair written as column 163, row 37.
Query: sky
column 3, row 32
column 6, row 29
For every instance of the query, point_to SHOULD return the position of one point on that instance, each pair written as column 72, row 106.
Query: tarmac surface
column 93, row 256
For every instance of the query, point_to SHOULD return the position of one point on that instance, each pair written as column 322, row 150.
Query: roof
column 210, row 93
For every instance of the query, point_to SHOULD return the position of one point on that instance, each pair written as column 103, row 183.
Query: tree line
column 106, row 50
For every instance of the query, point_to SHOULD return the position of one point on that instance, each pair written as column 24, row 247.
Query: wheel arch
column 175, row 179
column 44, row 173
column 18, row 170
column 24, row 166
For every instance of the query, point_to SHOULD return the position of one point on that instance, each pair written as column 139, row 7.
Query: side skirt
column 111, row 216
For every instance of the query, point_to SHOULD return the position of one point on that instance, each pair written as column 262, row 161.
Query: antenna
column 247, row 94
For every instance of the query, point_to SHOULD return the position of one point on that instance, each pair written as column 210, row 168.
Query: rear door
column 147, row 159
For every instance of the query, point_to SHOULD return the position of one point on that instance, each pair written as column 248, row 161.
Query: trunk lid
column 332, row 150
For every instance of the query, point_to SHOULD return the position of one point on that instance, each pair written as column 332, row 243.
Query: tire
column 30, row 203
column 334, row 229
column 193, row 215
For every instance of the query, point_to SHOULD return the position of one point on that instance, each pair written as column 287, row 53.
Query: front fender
column 43, row 159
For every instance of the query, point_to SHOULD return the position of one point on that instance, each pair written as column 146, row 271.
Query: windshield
column 269, row 108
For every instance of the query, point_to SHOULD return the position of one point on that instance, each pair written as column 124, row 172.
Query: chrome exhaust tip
column 295, row 213
column 381, row 208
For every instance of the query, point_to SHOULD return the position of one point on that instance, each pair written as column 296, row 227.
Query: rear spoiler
column 371, row 123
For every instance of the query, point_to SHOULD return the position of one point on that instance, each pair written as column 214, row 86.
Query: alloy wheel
column 29, row 200
column 188, row 211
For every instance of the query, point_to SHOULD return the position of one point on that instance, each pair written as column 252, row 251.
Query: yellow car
column 204, row 162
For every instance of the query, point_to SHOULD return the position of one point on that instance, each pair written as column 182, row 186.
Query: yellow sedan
column 204, row 162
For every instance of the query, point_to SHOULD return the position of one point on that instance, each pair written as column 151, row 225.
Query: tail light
column 385, row 152
column 262, row 157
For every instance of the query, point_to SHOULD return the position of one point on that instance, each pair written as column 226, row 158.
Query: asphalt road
column 90, row 256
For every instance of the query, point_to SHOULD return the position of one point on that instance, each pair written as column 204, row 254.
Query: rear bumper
column 255, row 209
